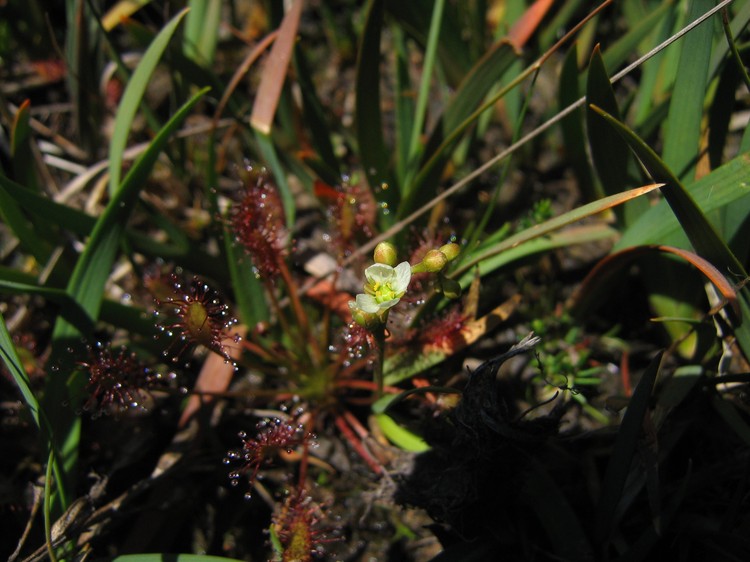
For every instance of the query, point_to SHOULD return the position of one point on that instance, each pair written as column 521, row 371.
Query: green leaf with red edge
column 598, row 283
column 701, row 233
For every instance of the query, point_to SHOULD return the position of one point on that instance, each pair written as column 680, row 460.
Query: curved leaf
column 597, row 283
column 132, row 96
column 700, row 231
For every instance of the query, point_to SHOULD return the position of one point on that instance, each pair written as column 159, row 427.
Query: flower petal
column 403, row 276
column 367, row 303
column 388, row 304
column 379, row 273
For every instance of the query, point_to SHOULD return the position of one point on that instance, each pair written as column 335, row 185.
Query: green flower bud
column 385, row 253
column 450, row 250
column 367, row 320
column 434, row 261
column 450, row 287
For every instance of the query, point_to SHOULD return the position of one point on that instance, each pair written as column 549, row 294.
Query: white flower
column 384, row 288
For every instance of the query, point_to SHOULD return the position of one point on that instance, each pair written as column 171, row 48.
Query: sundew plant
column 337, row 280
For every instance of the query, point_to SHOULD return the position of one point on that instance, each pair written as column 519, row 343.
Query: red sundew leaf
column 598, row 282
column 324, row 191
column 215, row 375
column 475, row 329
column 408, row 363
column 50, row 70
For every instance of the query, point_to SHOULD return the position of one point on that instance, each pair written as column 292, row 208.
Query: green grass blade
column 403, row 103
column 24, row 169
column 655, row 81
column 160, row 557
column 625, row 445
column 400, row 436
column 202, row 31
column 45, row 208
column 683, row 126
column 12, row 215
column 70, row 310
column 608, row 149
column 462, row 112
column 549, row 34
column 454, row 50
column 572, row 128
column 81, row 224
column 736, row 27
column 271, row 158
column 420, row 113
column 131, row 99
column 86, row 287
column 15, row 368
column 315, row 118
column 368, row 115
column 504, row 254
column 92, row 270
column 620, row 51
column 551, row 225
column 700, row 232
column 723, row 188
